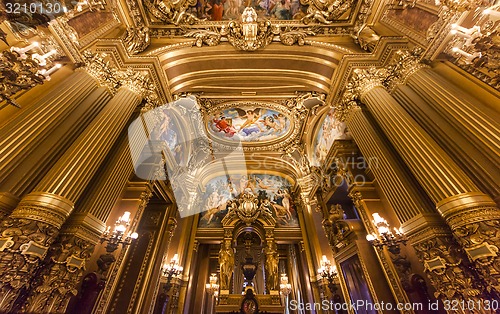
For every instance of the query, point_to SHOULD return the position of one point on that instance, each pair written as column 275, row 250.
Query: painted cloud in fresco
column 272, row 192
column 248, row 124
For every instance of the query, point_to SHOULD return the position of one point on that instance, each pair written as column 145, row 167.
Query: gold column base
column 474, row 220
column 28, row 233
column 45, row 207
column 445, row 264
column 8, row 202
column 58, row 282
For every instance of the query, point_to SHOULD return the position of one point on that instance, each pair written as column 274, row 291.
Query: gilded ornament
column 96, row 65
column 366, row 38
column 17, row 74
column 172, row 11
column 136, row 39
column 250, row 34
column 325, row 11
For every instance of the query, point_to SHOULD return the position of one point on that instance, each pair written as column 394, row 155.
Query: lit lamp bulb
column 370, row 237
column 22, row 51
column 468, row 56
column 134, row 235
column 47, row 73
column 492, row 13
column 42, row 58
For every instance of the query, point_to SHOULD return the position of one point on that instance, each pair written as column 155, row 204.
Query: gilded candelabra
column 170, row 271
column 118, row 237
column 21, row 70
column 385, row 236
column 212, row 286
column 329, row 272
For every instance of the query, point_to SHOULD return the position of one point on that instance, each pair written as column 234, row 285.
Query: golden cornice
column 117, row 52
column 382, row 54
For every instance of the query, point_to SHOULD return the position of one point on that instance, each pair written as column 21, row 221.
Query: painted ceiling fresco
column 167, row 130
column 248, row 124
column 330, row 130
column 219, row 10
column 272, row 191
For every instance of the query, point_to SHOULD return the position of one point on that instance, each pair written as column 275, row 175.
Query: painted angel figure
column 252, row 116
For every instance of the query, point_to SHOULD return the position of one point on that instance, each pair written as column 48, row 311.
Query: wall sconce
column 385, row 237
column 171, row 270
column 118, row 237
column 212, row 287
column 329, row 272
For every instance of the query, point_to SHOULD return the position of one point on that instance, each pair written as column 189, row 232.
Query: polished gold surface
column 358, row 108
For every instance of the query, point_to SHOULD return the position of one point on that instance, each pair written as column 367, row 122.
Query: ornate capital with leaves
column 96, row 65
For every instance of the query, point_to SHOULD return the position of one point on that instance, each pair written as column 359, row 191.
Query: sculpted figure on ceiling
column 172, row 11
column 325, row 11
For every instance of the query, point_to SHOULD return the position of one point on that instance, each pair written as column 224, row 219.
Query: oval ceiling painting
column 248, row 124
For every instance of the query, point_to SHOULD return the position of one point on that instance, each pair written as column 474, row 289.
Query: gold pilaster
column 453, row 192
column 477, row 163
column 8, row 201
column 81, row 233
column 393, row 178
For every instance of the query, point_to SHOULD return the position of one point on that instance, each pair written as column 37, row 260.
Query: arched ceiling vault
column 222, row 70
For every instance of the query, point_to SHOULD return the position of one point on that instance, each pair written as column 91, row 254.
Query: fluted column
column 464, row 126
column 472, row 215
column 22, row 135
column 43, row 211
column 424, row 227
column 36, row 137
column 82, row 232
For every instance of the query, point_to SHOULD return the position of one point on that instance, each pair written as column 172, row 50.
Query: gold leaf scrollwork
column 136, row 39
column 209, row 37
column 250, row 34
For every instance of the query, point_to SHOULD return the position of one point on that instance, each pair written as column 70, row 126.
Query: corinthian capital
column 136, row 81
column 361, row 82
column 464, row 5
column 97, row 66
column 405, row 64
